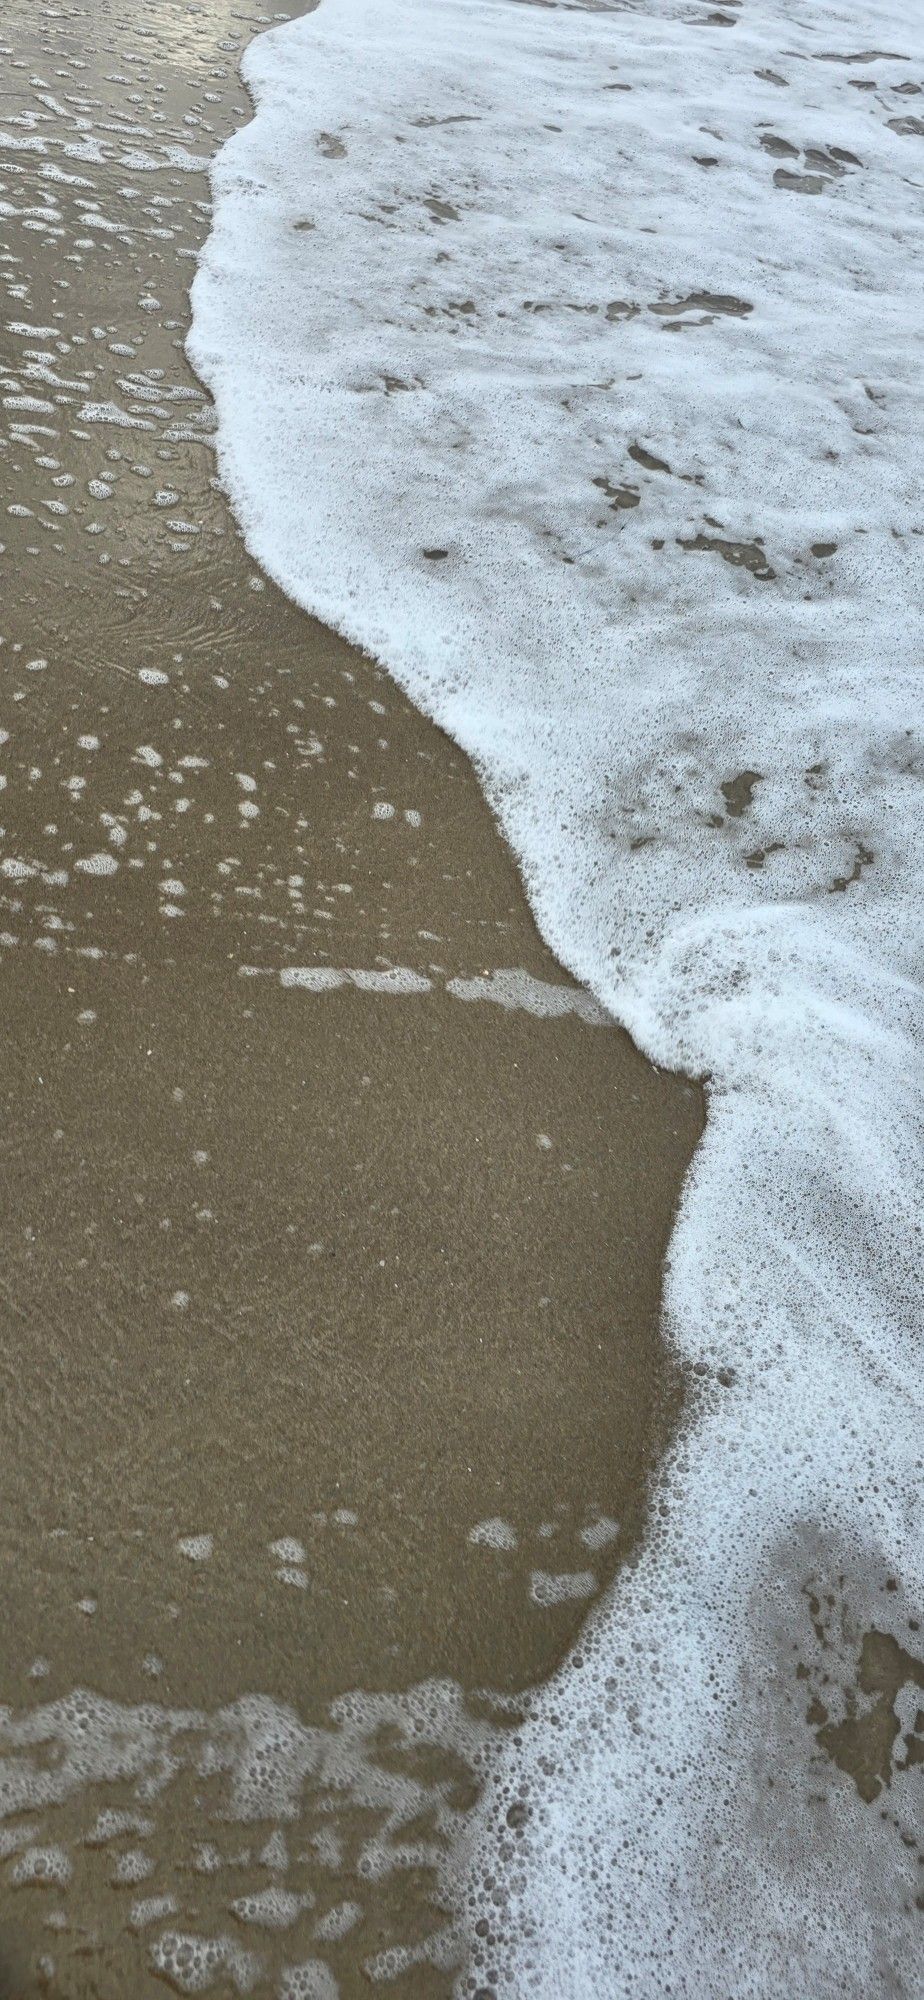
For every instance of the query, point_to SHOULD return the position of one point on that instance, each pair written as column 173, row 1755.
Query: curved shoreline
column 271, row 1265
column 631, row 534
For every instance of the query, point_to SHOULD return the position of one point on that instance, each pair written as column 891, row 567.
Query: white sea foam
column 508, row 988
column 548, row 1587
column 493, row 1534
column 542, row 997
column 396, row 979
column 590, row 403
column 253, row 1764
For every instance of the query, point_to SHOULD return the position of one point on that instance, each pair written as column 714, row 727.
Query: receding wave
column 568, row 359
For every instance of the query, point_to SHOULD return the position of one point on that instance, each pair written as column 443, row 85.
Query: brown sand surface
column 353, row 1270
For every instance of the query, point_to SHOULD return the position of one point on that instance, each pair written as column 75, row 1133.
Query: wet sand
column 369, row 1270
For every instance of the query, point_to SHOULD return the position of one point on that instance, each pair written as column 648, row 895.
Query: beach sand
column 371, row 1272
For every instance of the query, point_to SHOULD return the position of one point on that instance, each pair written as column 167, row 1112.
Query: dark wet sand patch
column 351, row 1273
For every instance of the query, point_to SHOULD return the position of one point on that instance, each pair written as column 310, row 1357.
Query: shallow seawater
column 329, row 1200
column 617, row 328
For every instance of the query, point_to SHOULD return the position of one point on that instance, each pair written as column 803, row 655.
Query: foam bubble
column 493, row 1534
column 196, row 1548
column 151, row 1910
column 288, row 1550
column 273, row 1909
column 541, row 997
column 97, row 864
column 48, row 1866
column 132, row 1866
column 599, row 1533
column 311, row 1980
column 296, row 1578
column 194, row 1964
column 337, row 1922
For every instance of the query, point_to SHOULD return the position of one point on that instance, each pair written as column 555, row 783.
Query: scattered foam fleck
column 563, row 1587
column 288, row 1550
column 598, row 1534
column 42, row 1866
column 196, row 1548
column 97, row 864
column 493, row 1534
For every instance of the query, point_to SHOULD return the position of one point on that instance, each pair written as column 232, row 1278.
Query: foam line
column 512, row 989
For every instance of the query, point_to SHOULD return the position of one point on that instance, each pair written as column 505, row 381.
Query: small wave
column 568, row 360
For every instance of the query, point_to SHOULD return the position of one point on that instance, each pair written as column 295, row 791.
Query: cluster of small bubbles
column 493, row 1534
column 151, row 1910
column 390, row 1964
column 196, row 1548
column 272, row 1909
column 311, row 1980
column 599, row 1533
column 271, row 1767
column 337, row 1922
column 50, row 1865
column 206, row 1859
column 288, row 1550
column 113, row 1822
column 194, row 1964
column 132, row 1866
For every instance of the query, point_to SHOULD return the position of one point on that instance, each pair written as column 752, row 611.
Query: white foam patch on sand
column 541, row 997
column 590, row 403
column 493, row 1534
column 513, row 989
column 196, row 1548
column 254, row 1765
column 326, row 978
column 547, row 1587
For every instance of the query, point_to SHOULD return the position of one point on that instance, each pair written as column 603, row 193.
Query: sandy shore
column 351, row 1267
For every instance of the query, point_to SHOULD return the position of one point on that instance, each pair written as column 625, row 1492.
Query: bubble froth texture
column 590, row 403
column 291, row 1811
